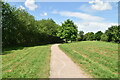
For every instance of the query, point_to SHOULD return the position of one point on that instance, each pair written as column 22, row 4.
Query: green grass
column 99, row 59
column 26, row 62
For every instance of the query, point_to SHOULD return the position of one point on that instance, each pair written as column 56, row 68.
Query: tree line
column 20, row 28
column 110, row 35
column 68, row 31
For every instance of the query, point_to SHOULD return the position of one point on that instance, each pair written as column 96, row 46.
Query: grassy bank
column 26, row 62
column 99, row 59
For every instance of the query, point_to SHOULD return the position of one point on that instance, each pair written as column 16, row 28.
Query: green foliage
column 110, row 35
column 104, row 37
column 98, row 35
column 47, row 26
column 89, row 36
column 80, row 35
column 113, row 33
column 20, row 28
column 67, row 31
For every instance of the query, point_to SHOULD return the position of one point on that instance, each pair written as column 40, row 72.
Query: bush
column 104, row 37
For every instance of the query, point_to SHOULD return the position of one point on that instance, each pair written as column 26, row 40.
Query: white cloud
column 79, row 15
column 86, row 8
column 21, row 7
column 100, row 5
column 30, row 4
column 44, row 14
column 94, row 26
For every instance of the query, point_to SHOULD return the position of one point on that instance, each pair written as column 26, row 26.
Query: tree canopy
column 110, row 35
column 80, row 35
column 104, row 37
column 68, row 31
column 98, row 35
column 113, row 33
column 20, row 28
column 89, row 36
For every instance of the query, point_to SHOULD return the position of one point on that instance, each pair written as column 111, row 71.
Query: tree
column 68, row 31
column 80, row 35
column 89, row 36
column 104, row 37
column 98, row 35
column 48, row 26
column 113, row 33
column 21, row 29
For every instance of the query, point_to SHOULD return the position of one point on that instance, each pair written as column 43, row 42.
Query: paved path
column 61, row 66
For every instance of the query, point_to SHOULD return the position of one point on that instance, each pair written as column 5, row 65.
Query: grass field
column 99, row 59
column 26, row 62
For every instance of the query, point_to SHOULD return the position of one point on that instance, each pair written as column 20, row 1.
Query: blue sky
column 88, row 16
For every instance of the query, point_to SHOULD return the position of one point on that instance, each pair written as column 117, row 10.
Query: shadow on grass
column 8, row 50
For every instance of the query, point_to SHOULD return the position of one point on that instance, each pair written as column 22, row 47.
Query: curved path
column 61, row 66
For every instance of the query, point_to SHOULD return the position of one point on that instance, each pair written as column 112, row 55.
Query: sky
column 90, row 16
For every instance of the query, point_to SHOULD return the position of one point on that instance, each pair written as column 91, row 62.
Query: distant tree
column 98, row 35
column 113, row 33
column 104, row 37
column 80, row 35
column 68, row 31
column 89, row 36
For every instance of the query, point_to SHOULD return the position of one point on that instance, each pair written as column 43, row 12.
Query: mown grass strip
column 99, row 59
column 29, row 62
